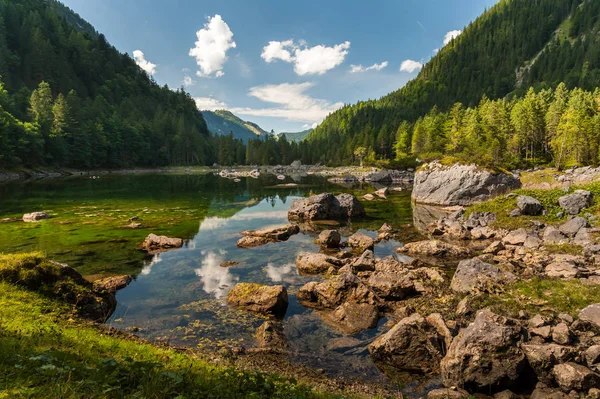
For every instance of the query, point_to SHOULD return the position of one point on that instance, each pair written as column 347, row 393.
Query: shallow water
column 179, row 296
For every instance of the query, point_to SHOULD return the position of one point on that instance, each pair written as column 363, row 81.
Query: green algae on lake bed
column 178, row 296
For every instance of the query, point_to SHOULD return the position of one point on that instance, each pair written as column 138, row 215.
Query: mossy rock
column 55, row 280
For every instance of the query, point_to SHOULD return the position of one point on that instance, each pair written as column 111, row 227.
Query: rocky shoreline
column 438, row 323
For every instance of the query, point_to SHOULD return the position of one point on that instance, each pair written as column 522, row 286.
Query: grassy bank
column 503, row 205
column 47, row 352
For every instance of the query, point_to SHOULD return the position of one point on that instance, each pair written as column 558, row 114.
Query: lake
column 179, row 296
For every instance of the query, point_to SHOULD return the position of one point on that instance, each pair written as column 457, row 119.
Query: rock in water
column 326, row 207
column 154, row 243
column 574, row 203
column 351, row 318
column 112, row 284
column 486, row 355
column 269, row 300
column 270, row 335
column 361, row 242
column 437, row 184
column 255, row 238
column 330, row 238
column 331, row 293
column 35, row 217
column 309, row 263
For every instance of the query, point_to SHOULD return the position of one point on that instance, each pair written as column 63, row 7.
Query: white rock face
column 436, row 184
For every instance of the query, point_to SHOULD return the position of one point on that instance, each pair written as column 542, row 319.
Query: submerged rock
column 485, row 355
column 154, row 243
column 351, row 318
column 269, row 300
column 35, row 217
column 437, row 184
column 255, row 238
column 325, row 207
column 271, row 335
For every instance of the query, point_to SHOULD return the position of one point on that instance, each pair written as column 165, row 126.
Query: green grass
column 568, row 249
column 502, row 206
column 46, row 353
column 548, row 296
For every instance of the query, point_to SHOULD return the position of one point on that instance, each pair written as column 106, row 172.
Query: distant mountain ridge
column 296, row 136
column 222, row 122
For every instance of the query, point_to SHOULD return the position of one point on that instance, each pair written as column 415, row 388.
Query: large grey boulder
column 326, row 207
column 437, row 184
column 486, row 355
column 573, row 226
column 413, row 344
column 574, row 203
column 475, row 274
column 529, row 205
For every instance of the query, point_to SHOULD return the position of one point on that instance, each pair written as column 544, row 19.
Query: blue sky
column 281, row 64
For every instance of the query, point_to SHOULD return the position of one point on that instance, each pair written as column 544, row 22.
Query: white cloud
column 307, row 126
column 216, row 280
column 210, row 49
column 410, row 66
column 188, row 81
column 453, row 34
column 141, row 61
column 278, row 51
column 209, row 104
column 307, row 60
column 294, row 103
column 360, row 68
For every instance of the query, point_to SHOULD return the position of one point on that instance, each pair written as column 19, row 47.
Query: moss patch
column 547, row 296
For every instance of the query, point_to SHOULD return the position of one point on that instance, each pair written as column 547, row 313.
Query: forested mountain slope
column 69, row 98
column 561, row 35
column 222, row 122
